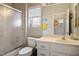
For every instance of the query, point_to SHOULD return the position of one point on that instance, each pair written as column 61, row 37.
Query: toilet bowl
column 26, row 51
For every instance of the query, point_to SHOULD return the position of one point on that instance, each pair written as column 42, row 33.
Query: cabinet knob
column 42, row 46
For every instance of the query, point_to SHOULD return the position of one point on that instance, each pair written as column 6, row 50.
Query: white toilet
column 27, row 51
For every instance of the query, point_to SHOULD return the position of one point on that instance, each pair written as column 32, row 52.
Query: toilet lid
column 25, row 50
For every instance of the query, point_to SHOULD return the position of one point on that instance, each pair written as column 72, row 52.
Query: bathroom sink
column 69, row 40
column 64, row 40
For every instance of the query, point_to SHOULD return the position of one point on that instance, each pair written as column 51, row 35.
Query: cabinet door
column 41, row 52
column 64, row 49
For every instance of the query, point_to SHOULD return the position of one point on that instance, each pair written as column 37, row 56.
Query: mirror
column 56, row 20
column 76, row 21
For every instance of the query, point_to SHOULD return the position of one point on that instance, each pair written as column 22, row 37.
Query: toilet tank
column 31, row 41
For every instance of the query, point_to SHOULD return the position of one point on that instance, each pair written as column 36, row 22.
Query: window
column 34, row 17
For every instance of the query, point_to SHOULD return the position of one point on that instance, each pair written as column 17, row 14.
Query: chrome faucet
column 74, row 38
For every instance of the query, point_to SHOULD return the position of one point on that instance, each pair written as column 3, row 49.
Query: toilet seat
column 25, row 50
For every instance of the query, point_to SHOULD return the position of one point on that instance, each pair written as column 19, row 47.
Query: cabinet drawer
column 43, row 45
column 42, row 52
column 58, row 54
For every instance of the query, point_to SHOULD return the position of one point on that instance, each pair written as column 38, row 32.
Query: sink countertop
column 58, row 39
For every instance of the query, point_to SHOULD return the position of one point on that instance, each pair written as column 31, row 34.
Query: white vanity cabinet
column 51, row 48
